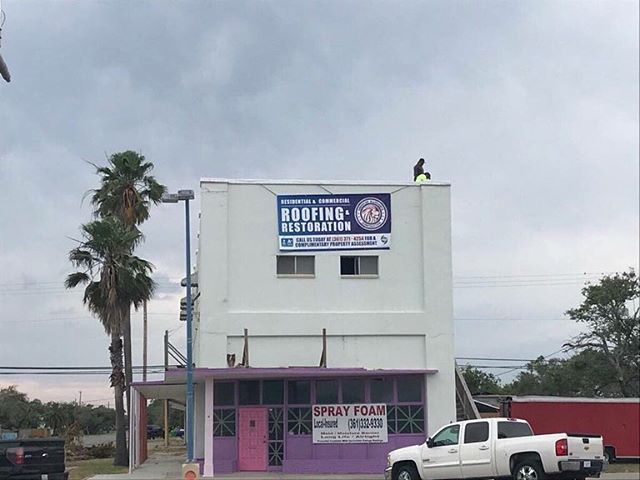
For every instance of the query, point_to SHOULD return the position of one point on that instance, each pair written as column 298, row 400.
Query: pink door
column 252, row 439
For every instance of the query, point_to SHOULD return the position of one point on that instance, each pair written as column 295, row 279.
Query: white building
column 368, row 262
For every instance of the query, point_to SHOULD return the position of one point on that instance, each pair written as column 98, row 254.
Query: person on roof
column 419, row 175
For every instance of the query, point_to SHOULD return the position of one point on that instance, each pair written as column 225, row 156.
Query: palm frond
column 75, row 279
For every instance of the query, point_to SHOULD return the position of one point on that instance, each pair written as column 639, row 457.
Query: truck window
column 448, row 436
column 476, row 432
column 514, row 429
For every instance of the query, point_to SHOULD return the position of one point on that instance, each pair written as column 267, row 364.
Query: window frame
column 466, row 430
column 295, row 273
column 357, row 267
column 442, row 430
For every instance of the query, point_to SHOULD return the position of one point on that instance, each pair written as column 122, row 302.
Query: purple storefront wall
column 302, row 456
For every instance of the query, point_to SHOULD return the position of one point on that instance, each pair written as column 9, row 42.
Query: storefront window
column 382, row 390
column 224, row 422
column 299, row 420
column 409, row 389
column 249, row 392
column 224, row 394
column 326, row 391
column 353, row 391
column 273, row 392
column 276, row 437
column 407, row 415
column 299, row 392
column 410, row 419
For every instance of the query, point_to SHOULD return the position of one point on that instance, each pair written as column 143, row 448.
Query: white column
column 208, row 429
column 438, row 297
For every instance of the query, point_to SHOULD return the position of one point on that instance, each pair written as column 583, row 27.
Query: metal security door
column 252, row 439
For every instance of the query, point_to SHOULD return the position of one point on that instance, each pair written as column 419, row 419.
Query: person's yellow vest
column 422, row 178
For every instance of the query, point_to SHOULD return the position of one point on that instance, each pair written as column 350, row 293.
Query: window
column 409, row 389
column 273, row 392
column 224, row 422
column 326, row 391
column 299, row 421
column 405, row 419
column 353, row 391
column 249, row 393
column 359, row 266
column 299, row 392
column 476, row 432
column 513, row 430
column 382, row 390
column 224, row 394
column 276, row 436
column 303, row 265
column 448, row 436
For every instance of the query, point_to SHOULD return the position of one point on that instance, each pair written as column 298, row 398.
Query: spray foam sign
column 353, row 423
column 334, row 222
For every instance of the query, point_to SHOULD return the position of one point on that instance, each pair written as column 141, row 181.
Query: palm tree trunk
column 128, row 370
column 118, row 384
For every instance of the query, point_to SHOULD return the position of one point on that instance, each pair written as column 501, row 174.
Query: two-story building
column 323, row 332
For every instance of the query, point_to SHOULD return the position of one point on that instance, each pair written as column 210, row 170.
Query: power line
column 497, row 359
column 538, row 275
column 563, row 349
column 83, row 318
column 135, row 367
column 514, row 367
column 70, row 373
column 488, row 319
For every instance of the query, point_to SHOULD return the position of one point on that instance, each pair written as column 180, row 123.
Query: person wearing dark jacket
column 418, row 171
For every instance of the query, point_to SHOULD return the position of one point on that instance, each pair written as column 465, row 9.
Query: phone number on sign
column 360, row 423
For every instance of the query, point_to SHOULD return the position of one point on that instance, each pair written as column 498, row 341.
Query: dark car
column 32, row 459
column 154, row 431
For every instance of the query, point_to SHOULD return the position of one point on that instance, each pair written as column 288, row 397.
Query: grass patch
column 81, row 469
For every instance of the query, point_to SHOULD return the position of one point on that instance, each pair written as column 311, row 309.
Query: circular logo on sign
column 371, row 213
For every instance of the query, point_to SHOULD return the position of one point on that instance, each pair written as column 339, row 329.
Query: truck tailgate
column 585, row 447
column 33, row 457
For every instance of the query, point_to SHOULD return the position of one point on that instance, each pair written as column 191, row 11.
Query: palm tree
column 114, row 279
column 126, row 192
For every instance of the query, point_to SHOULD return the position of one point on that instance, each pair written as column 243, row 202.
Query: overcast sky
column 529, row 109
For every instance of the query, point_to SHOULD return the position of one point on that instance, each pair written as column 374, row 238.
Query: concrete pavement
column 169, row 467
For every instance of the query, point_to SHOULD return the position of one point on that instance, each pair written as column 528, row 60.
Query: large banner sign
column 352, row 423
column 334, row 222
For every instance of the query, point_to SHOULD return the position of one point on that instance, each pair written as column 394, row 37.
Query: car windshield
column 514, row 429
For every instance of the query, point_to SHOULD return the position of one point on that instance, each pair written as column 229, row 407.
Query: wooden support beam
column 323, row 356
column 245, row 351
column 166, row 423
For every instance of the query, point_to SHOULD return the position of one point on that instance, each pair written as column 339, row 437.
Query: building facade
column 323, row 331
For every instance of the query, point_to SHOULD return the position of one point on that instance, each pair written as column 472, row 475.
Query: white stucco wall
column 403, row 319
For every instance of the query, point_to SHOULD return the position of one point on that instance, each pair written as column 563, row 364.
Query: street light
column 186, row 195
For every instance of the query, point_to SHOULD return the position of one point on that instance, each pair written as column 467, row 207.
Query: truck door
column 475, row 451
column 442, row 459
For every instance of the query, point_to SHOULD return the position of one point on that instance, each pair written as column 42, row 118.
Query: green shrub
column 102, row 450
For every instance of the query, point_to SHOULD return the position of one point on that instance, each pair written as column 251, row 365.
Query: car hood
column 404, row 453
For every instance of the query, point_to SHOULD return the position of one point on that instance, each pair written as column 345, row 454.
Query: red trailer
column 616, row 419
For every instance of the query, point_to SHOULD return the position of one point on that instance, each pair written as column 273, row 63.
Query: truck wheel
column 406, row 472
column 609, row 455
column 528, row 470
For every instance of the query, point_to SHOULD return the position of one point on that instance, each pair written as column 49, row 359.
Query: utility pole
column 80, row 400
column 166, row 402
column 144, row 342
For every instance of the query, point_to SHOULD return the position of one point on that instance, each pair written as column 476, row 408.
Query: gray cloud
column 528, row 108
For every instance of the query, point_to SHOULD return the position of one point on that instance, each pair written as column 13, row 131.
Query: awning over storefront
column 173, row 387
column 159, row 390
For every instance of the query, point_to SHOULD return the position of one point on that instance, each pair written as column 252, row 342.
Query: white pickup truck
column 497, row 448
